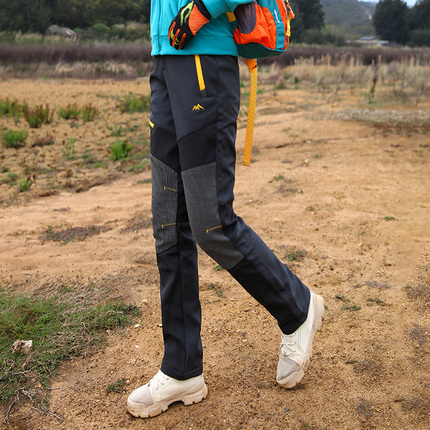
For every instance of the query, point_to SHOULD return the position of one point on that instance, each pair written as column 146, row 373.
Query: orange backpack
column 261, row 28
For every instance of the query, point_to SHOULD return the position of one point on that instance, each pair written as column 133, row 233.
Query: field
column 338, row 188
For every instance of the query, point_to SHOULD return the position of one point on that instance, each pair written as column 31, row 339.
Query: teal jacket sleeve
column 214, row 38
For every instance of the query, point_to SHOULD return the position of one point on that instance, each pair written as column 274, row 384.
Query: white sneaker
column 155, row 397
column 296, row 348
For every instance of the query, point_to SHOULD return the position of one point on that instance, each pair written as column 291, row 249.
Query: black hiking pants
column 195, row 104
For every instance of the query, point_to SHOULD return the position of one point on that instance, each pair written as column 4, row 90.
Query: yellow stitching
column 170, row 189
column 168, row 225
column 213, row 228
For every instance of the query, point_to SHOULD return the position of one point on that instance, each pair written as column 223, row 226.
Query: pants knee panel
column 201, row 198
column 164, row 204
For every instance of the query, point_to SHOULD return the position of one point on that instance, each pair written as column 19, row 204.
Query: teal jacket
column 214, row 38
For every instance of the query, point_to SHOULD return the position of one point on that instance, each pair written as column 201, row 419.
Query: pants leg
column 193, row 152
column 175, row 245
column 206, row 141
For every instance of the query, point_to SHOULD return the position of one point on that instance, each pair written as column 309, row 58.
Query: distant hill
column 351, row 18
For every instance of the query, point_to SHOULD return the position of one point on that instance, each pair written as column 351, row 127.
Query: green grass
column 38, row 115
column 116, row 130
column 352, row 308
column 89, row 112
column 390, row 218
column 120, row 150
column 60, row 327
column 116, row 386
column 71, row 111
column 376, row 301
column 10, row 108
column 295, row 255
column 69, row 149
column 140, row 166
column 24, row 184
column 341, row 297
column 218, row 291
column 14, row 138
column 133, row 103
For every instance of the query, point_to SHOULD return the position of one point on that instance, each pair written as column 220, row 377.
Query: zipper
column 200, row 77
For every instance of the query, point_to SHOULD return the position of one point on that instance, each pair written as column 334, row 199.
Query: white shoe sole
column 141, row 411
column 292, row 380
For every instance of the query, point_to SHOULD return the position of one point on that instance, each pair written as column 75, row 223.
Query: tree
column 26, row 16
column 309, row 15
column 37, row 15
column 420, row 24
column 391, row 21
column 145, row 10
column 85, row 13
column 73, row 13
column 420, row 15
column 111, row 12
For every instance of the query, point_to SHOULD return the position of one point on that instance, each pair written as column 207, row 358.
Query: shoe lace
column 157, row 380
column 288, row 343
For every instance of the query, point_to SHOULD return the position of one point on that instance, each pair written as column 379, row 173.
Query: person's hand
column 189, row 20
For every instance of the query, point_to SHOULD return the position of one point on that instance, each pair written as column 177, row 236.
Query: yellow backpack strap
column 252, row 64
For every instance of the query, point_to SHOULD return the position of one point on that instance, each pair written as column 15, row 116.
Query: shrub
column 38, row 115
column 14, row 139
column 89, row 112
column 53, row 54
column 24, row 184
column 321, row 37
column 10, row 108
column 133, row 31
column 71, row 111
column 116, row 130
column 133, row 103
column 101, row 28
column 420, row 37
column 120, row 150
column 69, row 149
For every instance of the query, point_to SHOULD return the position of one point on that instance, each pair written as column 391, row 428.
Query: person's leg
column 180, row 377
column 205, row 112
column 206, row 139
column 174, row 243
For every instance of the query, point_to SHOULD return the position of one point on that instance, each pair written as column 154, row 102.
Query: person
column 195, row 97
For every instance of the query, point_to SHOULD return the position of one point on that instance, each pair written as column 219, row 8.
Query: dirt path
column 352, row 197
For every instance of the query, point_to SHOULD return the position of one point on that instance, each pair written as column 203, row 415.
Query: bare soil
column 352, row 197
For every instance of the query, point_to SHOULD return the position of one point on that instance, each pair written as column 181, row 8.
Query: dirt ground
column 352, row 196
